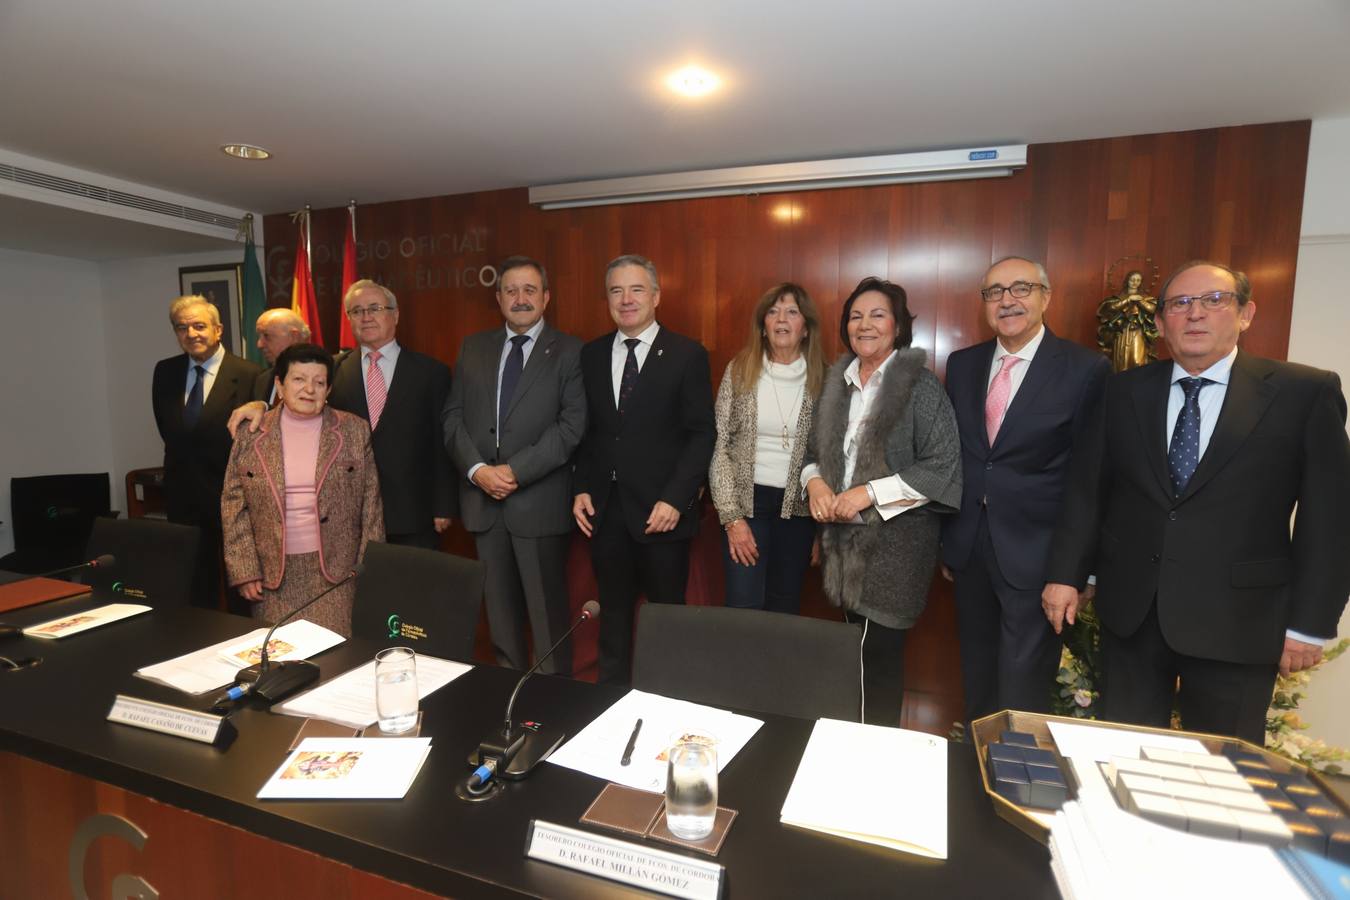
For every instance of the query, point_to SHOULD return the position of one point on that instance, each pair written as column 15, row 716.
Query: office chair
column 423, row 599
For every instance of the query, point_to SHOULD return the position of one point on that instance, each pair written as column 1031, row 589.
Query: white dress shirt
column 211, row 366
column 526, row 349
column 1210, row 402
column 619, row 355
column 889, row 489
column 1019, row 372
column 388, row 360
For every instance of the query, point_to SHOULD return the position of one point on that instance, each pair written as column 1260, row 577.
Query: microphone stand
column 514, row 752
column 276, row 681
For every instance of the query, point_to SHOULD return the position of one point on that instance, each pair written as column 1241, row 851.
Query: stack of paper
column 348, row 769
column 598, row 749
column 901, row 804
column 92, row 618
column 349, row 699
column 1100, row 852
column 212, row 667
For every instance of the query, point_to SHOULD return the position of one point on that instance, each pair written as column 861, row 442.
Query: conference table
column 90, row 805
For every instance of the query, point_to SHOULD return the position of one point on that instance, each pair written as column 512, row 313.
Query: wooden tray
column 986, row 731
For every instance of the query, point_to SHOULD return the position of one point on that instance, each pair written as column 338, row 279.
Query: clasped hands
column 498, row 482
column 827, row 506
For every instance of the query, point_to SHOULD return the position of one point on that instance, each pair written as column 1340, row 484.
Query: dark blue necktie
column 1183, row 454
column 630, row 373
column 515, row 364
column 192, row 410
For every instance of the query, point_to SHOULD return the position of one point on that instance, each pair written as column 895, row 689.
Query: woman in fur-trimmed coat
column 883, row 463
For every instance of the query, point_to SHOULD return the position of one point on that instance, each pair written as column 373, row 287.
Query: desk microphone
column 99, row 562
column 276, row 681
column 514, row 752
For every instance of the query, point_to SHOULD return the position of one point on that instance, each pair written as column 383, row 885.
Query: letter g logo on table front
column 125, row 886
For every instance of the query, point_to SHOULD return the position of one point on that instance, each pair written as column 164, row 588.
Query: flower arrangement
column 1080, row 667
column 1285, row 728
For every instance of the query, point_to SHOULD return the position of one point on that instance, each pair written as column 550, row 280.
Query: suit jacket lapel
column 652, row 367
column 268, row 450
column 176, row 397
column 1245, row 402
column 539, row 358
column 330, row 444
column 350, row 387
column 398, row 385
column 223, row 392
column 1044, row 366
column 979, row 389
column 1150, row 409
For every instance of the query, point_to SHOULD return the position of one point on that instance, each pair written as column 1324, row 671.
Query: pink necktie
column 996, row 403
column 375, row 389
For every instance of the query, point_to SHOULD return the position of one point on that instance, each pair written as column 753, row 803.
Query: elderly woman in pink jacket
column 301, row 498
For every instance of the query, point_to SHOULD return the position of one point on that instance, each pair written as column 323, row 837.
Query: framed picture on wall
column 219, row 284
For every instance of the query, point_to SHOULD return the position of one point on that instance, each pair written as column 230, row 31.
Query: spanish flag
column 302, row 288
column 347, row 340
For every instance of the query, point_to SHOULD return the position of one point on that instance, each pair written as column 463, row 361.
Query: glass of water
column 396, row 689
column 691, row 787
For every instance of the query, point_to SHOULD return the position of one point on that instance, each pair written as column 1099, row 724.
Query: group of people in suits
column 1031, row 480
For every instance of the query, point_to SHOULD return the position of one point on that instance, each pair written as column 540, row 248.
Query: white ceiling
column 381, row 101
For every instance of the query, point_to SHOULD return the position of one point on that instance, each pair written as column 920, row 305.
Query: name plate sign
column 166, row 719
column 653, row 870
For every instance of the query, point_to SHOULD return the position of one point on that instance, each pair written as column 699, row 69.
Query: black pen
column 632, row 742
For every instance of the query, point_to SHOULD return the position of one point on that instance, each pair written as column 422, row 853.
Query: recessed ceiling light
column 691, row 81
column 245, row 151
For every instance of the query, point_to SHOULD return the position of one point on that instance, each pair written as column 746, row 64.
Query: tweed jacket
column 882, row 569
column 731, row 476
column 253, row 511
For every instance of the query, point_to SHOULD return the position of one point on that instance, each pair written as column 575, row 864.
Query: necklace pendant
column 787, row 442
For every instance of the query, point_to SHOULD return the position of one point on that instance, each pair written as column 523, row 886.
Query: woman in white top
column 764, row 408
column 883, row 463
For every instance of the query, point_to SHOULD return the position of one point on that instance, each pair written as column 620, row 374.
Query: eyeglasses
column 1214, row 300
column 1019, row 290
column 357, row 312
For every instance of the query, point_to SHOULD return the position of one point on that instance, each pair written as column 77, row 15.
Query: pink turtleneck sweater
column 300, row 447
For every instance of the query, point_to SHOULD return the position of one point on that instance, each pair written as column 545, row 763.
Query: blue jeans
column 774, row 582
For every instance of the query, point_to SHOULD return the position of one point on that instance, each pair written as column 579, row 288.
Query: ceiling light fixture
column 691, row 81
column 245, row 151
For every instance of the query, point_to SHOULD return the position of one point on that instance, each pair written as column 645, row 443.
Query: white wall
column 1320, row 336
column 53, row 405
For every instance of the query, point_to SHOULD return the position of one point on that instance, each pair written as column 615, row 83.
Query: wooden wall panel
column 1235, row 194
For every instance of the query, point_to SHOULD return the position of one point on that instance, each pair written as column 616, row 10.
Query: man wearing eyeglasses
column 1181, row 504
column 1021, row 400
column 401, row 393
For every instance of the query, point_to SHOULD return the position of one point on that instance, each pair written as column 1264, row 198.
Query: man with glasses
column 401, row 393
column 1021, row 401
column 1181, row 504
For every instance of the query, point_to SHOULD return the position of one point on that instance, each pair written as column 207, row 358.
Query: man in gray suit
column 516, row 411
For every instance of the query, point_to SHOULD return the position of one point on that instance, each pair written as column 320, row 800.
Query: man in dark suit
column 1021, row 400
column 402, row 394
column 277, row 328
column 402, row 399
column 1181, row 504
column 649, row 438
column 193, row 394
column 517, row 411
